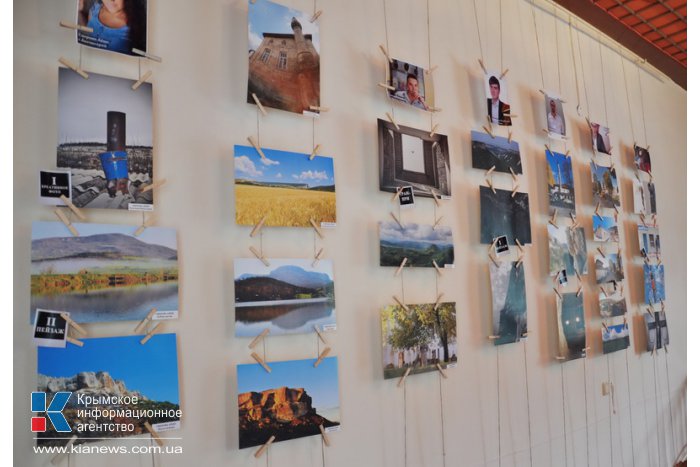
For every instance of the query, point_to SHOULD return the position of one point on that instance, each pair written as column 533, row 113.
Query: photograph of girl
column 117, row 25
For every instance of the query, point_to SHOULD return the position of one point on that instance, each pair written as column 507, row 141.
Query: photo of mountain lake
column 106, row 273
column 290, row 296
column 420, row 244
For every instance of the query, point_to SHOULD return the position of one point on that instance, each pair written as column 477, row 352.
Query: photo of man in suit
column 498, row 111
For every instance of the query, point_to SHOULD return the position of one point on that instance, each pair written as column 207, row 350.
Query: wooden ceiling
column 656, row 30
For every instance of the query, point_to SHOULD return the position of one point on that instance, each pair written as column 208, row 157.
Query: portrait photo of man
column 601, row 138
column 555, row 117
column 498, row 111
column 411, row 84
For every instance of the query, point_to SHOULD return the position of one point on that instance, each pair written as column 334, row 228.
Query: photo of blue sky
column 282, row 167
column 390, row 231
column 498, row 141
column 597, row 172
column 605, row 222
column 150, row 369
column 265, row 16
column 321, row 383
column 153, row 235
column 560, row 165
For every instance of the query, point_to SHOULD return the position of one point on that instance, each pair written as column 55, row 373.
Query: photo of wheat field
column 287, row 188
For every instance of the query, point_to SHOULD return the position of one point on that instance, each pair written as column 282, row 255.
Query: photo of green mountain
column 420, row 244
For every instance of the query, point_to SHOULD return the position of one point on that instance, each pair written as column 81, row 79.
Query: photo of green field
column 286, row 188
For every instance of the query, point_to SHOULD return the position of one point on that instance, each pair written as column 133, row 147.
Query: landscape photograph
column 495, row 151
column 644, row 197
column 289, row 402
column 615, row 337
column 567, row 250
column 605, row 229
column 572, row 327
column 290, row 296
column 509, row 304
column 654, row 283
column 504, row 214
column 420, row 244
column 419, row 337
column 560, row 183
column 611, row 300
column 606, row 190
column 657, row 330
column 105, row 139
column 106, row 273
column 608, row 268
column 649, row 241
column 286, row 188
column 117, row 367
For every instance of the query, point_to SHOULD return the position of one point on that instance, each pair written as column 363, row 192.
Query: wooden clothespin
column 521, row 257
column 56, row 460
column 595, row 164
column 520, row 245
column 73, row 67
column 483, row 67
column 386, row 54
column 316, row 16
column 73, row 208
column 553, row 219
column 437, row 302
column 145, row 322
column 494, row 261
column 503, row 74
column 150, row 333
column 318, row 108
column 615, row 208
column 605, row 292
column 578, row 291
column 315, row 152
column 490, row 184
column 515, row 190
column 558, row 357
column 154, row 185
column 261, row 450
column 493, row 338
column 437, row 222
column 316, row 227
column 405, row 375
column 568, row 153
column 525, row 334
column 396, row 219
column 546, row 146
column 153, row 433
column 258, row 226
column 574, row 223
column 398, row 192
column 77, row 27
column 323, row 355
column 149, row 56
column 557, row 292
column 488, row 130
column 512, row 174
column 578, row 277
column 643, row 219
column 391, row 119
column 258, row 338
column 431, row 69
column 400, row 303
column 74, row 341
column 605, row 326
column 144, row 225
column 142, row 79
column 79, row 329
column 488, row 172
column 326, row 442
column 597, row 210
column 601, row 252
column 434, row 109
column 433, row 130
column 493, row 245
column 510, row 136
column 437, row 200
column 403, row 263
column 441, row 370
column 317, row 258
column 386, row 86
column 259, row 104
column 254, row 143
column 59, row 213
column 437, row 268
column 320, row 334
column 259, row 255
column 260, row 360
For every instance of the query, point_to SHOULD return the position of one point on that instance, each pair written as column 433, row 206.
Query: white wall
column 200, row 113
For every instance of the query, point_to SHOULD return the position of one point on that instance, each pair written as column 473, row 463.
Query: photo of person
column 555, row 116
column 496, row 92
column 601, row 138
column 117, row 25
column 642, row 160
column 412, row 85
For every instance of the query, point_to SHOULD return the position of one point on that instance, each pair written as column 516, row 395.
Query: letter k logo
column 54, row 411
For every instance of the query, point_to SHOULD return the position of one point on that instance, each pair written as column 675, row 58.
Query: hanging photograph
column 290, row 402
column 418, row 338
column 498, row 111
column 642, row 159
column 420, row 244
column 654, row 283
column 606, row 190
column 560, row 184
column 644, row 197
column 286, row 188
column 601, row 138
column 649, row 241
column 503, row 214
column 605, row 229
column 105, row 138
column 412, row 85
column 105, row 274
column 283, row 58
column 290, row 296
column 554, row 112
column 608, row 268
column 657, row 330
column 615, row 337
column 572, row 327
column 611, row 300
column 509, row 304
column 495, row 151
column 141, row 378
column 117, row 25
column 412, row 157
column 567, row 250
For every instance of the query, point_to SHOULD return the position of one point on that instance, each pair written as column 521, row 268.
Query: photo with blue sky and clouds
column 282, row 167
column 269, row 17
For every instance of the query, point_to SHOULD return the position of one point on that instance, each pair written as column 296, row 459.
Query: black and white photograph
column 408, row 156
column 495, row 152
column 504, row 214
column 509, row 304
